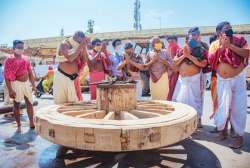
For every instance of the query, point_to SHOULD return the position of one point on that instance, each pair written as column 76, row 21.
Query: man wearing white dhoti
column 18, row 76
column 189, row 62
column 72, row 55
column 229, row 59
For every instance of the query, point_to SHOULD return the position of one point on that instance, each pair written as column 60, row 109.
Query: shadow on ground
column 205, row 135
column 20, row 140
column 184, row 154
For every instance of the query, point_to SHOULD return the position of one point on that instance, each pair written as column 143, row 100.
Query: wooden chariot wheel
column 116, row 122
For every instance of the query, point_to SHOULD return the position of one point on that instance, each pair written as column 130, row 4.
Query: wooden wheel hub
column 116, row 122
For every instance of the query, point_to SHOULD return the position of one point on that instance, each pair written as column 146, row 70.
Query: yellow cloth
column 22, row 89
column 47, row 83
column 159, row 90
column 214, row 46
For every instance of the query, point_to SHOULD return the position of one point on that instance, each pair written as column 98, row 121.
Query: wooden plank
column 144, row 114
column 75, row 113
column 127, row 116
column 96, row 115
column 154, row 110
column 117, row 97
column 110, row 116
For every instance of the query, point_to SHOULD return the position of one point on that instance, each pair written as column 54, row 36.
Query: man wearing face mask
column 189, row 62
column 98, row 63
column 158, row 63
column 71, row 55
column 116, row 59
column 17, row 72
column 228, row 57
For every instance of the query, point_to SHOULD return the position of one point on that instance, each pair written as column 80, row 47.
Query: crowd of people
column 173, row 73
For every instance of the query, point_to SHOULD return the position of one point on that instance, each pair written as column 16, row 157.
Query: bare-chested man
column 189, row 63
column 72, row 54
column 228, row 56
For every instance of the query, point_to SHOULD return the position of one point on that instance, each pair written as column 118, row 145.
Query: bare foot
column 237, row 142
column 222, row 135
column 18, row 130
column 32, row 125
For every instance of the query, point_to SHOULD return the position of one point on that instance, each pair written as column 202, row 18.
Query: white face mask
column 119, row 49
column 19, row 51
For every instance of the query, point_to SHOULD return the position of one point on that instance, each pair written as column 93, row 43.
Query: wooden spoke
column 96, row 115
column 144, row 114
column 127, row 116
column 154, row 106
column 109, row 116
column 75, row 108
column 158, row 106
column 154, row 110
column 75, row 113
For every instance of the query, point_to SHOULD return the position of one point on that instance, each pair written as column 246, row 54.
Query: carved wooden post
column 117, row 97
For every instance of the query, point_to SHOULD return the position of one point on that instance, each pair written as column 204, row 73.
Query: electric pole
column 62, row 33
column 90, row 26
column 137, row 15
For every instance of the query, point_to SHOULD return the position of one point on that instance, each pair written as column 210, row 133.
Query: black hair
column 116, row 41
column 193, row 29
column 220, row 26
column 172, row 37
column 212, row 38
column 15, row 42
column 79, row 34
column 128, row 46
column 96, row 41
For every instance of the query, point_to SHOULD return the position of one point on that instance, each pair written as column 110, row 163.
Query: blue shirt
column 115, row 60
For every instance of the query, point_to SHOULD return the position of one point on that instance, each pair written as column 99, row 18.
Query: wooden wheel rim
column 116, row 135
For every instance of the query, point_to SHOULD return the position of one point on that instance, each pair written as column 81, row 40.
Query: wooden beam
column 96, row 115
column 144, row 114
column 127, row 116
column 109, row 116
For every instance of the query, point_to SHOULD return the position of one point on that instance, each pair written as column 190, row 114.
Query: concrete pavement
column 204, row 150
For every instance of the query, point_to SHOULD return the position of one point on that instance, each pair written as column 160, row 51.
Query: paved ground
column 28, row 150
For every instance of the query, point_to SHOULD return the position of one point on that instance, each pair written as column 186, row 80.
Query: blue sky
column 25, row 19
